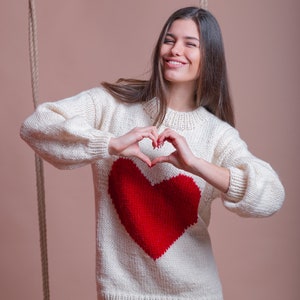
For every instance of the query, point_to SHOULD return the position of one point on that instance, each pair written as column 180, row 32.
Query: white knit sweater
column 152, row 236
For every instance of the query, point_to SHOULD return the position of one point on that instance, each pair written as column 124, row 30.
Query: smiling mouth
column 174, row 62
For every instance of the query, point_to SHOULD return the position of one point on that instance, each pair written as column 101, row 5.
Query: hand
column 128, row 145
column 182, row 157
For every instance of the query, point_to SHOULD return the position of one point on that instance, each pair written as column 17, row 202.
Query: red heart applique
column 155, row 216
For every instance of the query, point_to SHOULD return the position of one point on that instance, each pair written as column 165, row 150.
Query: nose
column 177, row 49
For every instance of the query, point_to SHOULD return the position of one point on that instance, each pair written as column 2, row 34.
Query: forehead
column 184, row 28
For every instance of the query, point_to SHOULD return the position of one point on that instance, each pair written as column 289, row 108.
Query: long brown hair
column 212, row 89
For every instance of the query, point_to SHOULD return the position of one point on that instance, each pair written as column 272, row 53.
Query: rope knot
column 203, row 4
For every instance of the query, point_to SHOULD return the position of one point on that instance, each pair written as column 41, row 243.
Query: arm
column 255, row 189
column 248, row 185
column 65, row 132
column 184, row 159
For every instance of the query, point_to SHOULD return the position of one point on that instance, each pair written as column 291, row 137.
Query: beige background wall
column 83, row 42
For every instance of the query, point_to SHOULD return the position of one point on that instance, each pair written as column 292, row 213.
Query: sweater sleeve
column 255, row 189
column 65, row 133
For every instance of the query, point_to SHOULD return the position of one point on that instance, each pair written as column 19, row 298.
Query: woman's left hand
column 182, row 157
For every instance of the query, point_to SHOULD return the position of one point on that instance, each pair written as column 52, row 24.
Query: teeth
column 174, row 62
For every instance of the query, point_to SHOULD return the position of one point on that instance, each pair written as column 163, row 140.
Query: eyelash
column 191, row 45
column 169, row 42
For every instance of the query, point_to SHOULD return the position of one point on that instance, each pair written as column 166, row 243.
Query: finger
column 167, row 135
column 144, row 158
column 160, row 159
column 153, row 135
column 147, row 132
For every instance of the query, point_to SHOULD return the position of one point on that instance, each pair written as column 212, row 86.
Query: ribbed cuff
column 98, row 145
column 237, row 186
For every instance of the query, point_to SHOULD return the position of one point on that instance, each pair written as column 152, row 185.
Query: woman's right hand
column 127, row 145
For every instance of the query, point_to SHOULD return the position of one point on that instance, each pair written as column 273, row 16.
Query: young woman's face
column 180, row 52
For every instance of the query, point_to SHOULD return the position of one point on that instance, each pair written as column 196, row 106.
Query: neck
column 181, row 97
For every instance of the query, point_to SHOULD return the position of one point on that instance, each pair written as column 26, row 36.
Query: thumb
column 144, row 158
column 160, row 159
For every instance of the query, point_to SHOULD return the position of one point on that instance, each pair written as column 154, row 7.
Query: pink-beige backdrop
column 82, row 42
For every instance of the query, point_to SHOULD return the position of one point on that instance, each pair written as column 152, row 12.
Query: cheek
column 195, row 56
column 196, row 60
column 163, row 50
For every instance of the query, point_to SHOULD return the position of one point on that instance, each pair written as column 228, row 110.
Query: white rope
column 203, row 4
column 39, row 169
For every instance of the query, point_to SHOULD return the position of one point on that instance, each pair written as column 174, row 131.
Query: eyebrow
column 186, row 37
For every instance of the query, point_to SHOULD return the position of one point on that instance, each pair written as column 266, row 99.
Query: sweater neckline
column 177, row 120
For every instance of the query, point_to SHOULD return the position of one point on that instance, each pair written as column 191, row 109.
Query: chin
column 172, row 78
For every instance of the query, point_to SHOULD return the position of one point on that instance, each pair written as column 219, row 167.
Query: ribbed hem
column 157, row 297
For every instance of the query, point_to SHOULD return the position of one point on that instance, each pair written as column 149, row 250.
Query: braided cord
column 39, row 169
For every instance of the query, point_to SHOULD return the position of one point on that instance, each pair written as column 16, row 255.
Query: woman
column 161, row 151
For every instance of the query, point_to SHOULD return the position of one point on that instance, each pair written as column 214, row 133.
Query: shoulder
column 99, row 94
column 107, row 106
column 224, row 138
column 221, row 134
column 102, row 100
column 94, row 96
column 216, row 124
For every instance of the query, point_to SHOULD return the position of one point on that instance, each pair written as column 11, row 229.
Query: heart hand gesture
column 183, row 158
column 128, row 145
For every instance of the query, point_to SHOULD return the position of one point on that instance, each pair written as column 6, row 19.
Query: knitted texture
column 155, row 216
column 152, row 223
